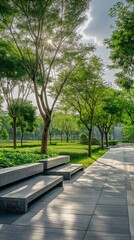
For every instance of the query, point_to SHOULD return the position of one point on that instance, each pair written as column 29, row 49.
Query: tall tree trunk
column 101, row 130
column 14, row 132
column 106, row 137
column 21, row 140
column 45, row 131
column 90, row 142
column 102, row 140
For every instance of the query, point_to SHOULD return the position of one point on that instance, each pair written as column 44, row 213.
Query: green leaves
column 84, row 89
column 15, row 158
column 128, row 132
column 121, row 42
column 26, row 120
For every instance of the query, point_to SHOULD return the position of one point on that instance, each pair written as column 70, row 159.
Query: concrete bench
column 66, row 171
column 17, row 197
column 13, row 174
column 54, row 161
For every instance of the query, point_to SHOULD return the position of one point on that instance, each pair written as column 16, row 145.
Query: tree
column 128, row 132
column 59, row 116
column 121, row 41
column 127, row 128
column 4, row 134
column 69, row 125
column 6, row 120
column 128, row 104
column 64, row 122
column 26, row 120
column 3, row 131
column 45, row 34
column 14, row 109
column 14, row 86
column 110, row 112
column 84, row 92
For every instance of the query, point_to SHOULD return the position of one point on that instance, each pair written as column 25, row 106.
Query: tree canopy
column 45, row 33
column 84, row 91
column 121, row 42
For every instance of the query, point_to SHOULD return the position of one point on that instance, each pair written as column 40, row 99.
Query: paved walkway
column 94, row 206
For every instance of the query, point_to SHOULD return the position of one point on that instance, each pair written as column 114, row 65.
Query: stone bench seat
column 54, row 161
column 17, row 197
column 14, row 174
column 66, row 171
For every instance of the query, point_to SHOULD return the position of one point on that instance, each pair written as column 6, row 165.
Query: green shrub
column 95, row 141
column 14, row 158
column 127, row 141
column 83, row 139
column 4, row 134
column 53, row 143
column 113, row 142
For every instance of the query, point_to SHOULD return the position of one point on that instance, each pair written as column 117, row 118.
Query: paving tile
column 106, row 236
column 89, row 183
column 110, row 224
column 128, row 185
column 86, row 184
column 131, row 219
column 69, row 207
column 55, row 220
column 34, row 233
column 115, row 182
column 112, row 201
column 77, row 190
column 111, row 210
column 79, row 198
column 92, row 177
column 130, row 198
column 113, row 194
column 114, row 188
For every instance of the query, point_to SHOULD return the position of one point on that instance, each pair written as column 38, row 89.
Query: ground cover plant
column 31, row 153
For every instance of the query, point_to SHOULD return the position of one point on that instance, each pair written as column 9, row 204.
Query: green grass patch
column 31, row 153
column 87, row 161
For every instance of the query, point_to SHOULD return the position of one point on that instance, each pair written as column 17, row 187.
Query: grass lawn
column 30, row 152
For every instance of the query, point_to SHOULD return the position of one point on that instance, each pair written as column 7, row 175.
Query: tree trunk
column 89, row 142
column 21, row 140
column 61, row 136
column 47, row 121
column 106, row 137
column 102, row 140
column 71, row 137
column 14, row 132
column 67, row 139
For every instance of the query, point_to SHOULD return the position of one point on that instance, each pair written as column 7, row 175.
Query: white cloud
column 88, row 37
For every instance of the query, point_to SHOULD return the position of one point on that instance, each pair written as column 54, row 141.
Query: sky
column 96, row 28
